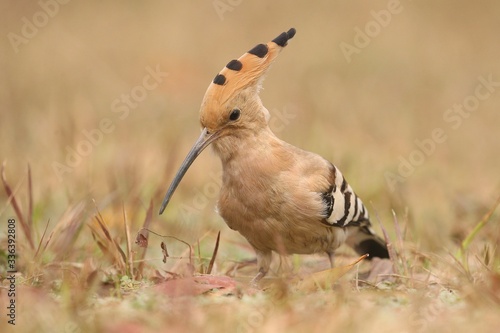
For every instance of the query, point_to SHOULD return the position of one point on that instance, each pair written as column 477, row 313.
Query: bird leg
column 258, row 277
column 331, row 257
column 264, row 262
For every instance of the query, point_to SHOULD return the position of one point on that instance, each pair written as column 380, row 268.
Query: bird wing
column 342, row 206
column 328, row 191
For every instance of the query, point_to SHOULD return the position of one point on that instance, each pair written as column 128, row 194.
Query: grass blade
column 12, row 198
column 41, row 239
column 480, row 225
column 30, row 198
column 147, row 222
column 214, row 255
column 129, row 261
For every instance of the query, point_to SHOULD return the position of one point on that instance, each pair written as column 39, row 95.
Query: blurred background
column 101, row 99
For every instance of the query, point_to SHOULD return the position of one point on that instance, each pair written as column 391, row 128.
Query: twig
column 173, row 237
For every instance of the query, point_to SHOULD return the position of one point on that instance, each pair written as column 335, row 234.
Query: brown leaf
column 103, row 226
column 164, row 251
column 216, row 282
column 67, row 230
column 325, row 279
column 196, row 285
column 141, row 240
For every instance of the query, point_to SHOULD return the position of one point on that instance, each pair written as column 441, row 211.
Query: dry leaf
column 141, row 240
column 325, row 279
column 164, row 251
column 196, row 285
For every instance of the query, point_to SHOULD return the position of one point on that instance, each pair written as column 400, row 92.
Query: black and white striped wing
column 342, row 206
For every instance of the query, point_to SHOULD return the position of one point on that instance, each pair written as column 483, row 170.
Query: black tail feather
column 363, row 240
column 374, row 248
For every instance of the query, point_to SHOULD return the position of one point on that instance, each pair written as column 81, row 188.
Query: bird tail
column 363, row 240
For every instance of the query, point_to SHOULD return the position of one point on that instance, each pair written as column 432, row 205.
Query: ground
column 99, row 105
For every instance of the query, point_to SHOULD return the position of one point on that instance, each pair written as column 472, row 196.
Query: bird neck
column 244, row 143
column 252, row 162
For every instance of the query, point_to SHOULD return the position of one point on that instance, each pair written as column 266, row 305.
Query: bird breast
column 269, row 200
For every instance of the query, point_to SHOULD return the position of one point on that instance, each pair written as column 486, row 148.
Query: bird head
column 231, row 106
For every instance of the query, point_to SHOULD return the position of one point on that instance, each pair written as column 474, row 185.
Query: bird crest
column 244, row 72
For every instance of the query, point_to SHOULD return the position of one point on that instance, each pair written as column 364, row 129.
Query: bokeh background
column 363, row 113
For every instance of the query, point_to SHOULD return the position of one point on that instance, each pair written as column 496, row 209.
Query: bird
column 279, row 197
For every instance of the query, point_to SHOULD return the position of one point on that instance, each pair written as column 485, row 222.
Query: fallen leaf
column 218, row 281
column 324, row 279
column 195, row 285
column 164, row 251
column 141, row 240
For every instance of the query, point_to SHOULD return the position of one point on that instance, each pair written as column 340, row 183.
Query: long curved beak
column 203, row 141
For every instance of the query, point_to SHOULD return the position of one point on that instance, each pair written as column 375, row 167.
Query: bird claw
column 254, row 283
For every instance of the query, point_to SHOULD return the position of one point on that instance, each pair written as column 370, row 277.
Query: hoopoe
column 279, row 197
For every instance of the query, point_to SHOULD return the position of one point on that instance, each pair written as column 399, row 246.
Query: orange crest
column 247, row 71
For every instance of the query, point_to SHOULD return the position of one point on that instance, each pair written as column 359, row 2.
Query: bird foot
column 254, row 283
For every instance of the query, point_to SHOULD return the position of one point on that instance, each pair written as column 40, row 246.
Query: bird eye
column 235, row 114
